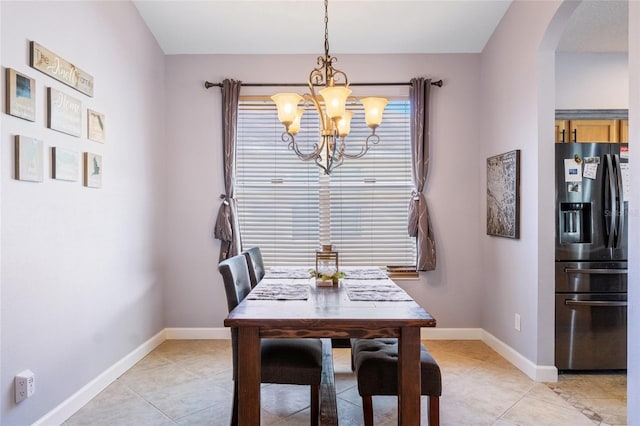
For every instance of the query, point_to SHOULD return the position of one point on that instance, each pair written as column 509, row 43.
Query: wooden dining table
column 361, row 305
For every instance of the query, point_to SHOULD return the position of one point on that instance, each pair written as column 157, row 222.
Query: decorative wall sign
column 29, row 158
column 65, row 113
column 65, row 164
column 54, row 66
column 92, row 170
column 21, row 95
column 95, row 126
column 503, row 195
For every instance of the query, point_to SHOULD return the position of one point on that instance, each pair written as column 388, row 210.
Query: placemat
column 377, row 291
column 273, row 291
column 280, row 272
column 365, row 274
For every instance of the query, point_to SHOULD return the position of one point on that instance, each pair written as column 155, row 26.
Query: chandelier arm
column 327, row 171
column 372, row 138
column 362, row 152
column 330, row 145
column 314, row 100
column 289, row 139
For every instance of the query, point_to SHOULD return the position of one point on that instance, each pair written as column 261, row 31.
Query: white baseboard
column 213, row 333
column 76, row 401
column 435, row 333
column 539, row 373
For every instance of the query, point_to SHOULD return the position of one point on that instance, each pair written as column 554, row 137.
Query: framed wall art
column 62, row 70
column 95, row 126
column 503, row 195
column 65, row 113
column 29, row 159
column 64, row 164
column 92, row 170
column 21, row 95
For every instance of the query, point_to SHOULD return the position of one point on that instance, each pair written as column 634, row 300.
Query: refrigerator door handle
column 595, row 271
column 619, row 219
column 609, row 201
column 601, row 303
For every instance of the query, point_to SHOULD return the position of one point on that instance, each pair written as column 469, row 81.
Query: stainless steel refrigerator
column 591, row 256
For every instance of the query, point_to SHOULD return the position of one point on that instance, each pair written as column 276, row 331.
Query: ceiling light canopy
column 334, row 117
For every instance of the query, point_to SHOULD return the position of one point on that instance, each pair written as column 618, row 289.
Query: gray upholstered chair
column 283, row 361
column 376, row 366
column 255, row 264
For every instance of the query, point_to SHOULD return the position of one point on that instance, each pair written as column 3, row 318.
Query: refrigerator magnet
column 590, row 170
column 572, row 170
column 574, row 187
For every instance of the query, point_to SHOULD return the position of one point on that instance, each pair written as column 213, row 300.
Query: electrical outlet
column 517, row 324
column 25, row 385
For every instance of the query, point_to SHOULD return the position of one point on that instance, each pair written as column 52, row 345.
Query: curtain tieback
column 225, row 199
column 415, row 195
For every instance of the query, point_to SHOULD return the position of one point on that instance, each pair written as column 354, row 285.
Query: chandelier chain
column 326, row 28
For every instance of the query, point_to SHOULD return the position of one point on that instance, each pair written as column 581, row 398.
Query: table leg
column 248, row 376
column 409, row 376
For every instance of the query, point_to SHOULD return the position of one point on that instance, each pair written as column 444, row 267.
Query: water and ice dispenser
column 575, row 223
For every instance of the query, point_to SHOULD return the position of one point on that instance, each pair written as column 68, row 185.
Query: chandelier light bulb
column 287, row 104
column 373, row 108
column 344, row 124
column 294, row 127
column 335, row 100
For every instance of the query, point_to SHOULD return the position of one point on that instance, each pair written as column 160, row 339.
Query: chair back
column 237, row 285
column 255, row 264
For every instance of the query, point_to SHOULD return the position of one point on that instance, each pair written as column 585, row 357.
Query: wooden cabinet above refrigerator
column 584, row 126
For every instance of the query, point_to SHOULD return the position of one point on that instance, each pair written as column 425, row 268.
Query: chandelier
column 334, row 117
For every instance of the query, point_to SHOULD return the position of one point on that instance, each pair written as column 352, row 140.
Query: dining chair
column 283, row 361
column 376, row 366
column 255, row 264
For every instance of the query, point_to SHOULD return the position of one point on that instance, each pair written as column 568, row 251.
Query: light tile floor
column 188, row 382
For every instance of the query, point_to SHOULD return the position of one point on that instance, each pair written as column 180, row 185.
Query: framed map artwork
column 503, row 195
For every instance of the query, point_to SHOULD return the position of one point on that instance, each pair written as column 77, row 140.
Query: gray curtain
column 227, row 229
column 419, row 225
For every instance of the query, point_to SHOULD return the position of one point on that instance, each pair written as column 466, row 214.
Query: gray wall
column 517, row 277
column 592, row 81
column 81, row 282
column 194, row 293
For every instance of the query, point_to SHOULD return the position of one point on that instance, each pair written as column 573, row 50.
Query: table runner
column 381, row 290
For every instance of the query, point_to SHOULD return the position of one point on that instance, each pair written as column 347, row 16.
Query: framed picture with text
column 21, row 95
column 95, row 126
column 29, row 159
column 64, row 164
column 65, row 113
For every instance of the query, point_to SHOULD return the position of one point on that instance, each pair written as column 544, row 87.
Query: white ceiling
column 360, row 26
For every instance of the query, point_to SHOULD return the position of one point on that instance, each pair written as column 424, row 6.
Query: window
column 289, row 207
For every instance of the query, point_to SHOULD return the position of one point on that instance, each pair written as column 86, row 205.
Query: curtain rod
column 208, row 84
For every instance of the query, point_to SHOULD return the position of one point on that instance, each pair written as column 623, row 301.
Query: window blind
column 287, row 206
